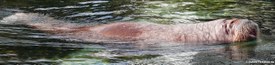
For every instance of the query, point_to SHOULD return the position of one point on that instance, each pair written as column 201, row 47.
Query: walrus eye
column 232, row 22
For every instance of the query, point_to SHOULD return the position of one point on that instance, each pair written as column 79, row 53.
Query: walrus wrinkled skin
column 216, row 31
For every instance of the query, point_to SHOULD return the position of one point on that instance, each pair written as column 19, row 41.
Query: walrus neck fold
column 207, row 32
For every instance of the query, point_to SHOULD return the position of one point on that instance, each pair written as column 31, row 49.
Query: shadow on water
column 22, row 45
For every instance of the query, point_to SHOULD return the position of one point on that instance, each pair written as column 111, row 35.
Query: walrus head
column 241, row 30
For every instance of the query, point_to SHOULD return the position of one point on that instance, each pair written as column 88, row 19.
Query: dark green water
column 22, row 45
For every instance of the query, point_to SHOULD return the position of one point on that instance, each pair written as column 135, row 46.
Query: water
column 20, row 44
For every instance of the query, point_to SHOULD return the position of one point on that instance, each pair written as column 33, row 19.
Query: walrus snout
column 242, row 29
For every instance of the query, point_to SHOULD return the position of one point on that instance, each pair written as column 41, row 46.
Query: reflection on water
column 38, row 54
column 20, row 44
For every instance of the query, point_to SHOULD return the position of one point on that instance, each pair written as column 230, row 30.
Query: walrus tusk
column 216, row 31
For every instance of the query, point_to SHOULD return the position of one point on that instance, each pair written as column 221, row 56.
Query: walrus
column 216, row 31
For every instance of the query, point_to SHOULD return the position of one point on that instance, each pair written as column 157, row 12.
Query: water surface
column 20, row 44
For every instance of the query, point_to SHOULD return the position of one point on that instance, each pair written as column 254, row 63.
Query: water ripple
column 90, row 14
column 66, row 7
column 88, row 2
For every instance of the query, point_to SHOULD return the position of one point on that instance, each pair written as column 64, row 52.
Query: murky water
column 20, row 44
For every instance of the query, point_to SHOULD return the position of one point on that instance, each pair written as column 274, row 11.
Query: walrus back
column 122, row 31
